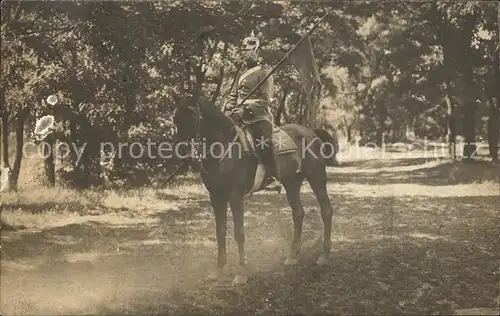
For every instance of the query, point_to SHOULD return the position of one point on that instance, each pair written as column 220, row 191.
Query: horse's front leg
column 219, row 205
column 236, row 201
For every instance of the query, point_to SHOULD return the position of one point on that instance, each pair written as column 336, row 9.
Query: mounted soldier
column 254, row 112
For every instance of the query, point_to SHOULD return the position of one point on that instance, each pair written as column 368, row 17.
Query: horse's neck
column 219, row 130
column 218, row 126
column 212, row 136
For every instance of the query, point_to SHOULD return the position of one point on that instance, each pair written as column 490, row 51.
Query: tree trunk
column 494, row 95
column 200, row 78
column 286, row 114
column 347, row 129
column 73, row 139
column 494, row 129
column 131, row 87
column 469, row 126
column 4, row 185
column 469, row 90
column 379, row 137
column 382, row 116
column 5, row 131
column 303, row 109
column 16, row 169
column 447, row 35
column 281, row 108
column 183, row 75
column 452, row 131
column 200, row 73
column 298, row 108
column 5, row 141
column 312, row 111
column 220, row 77
column 49, row 163
column 89, row 160
column 410, row 129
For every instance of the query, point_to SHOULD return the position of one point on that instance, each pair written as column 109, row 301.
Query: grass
column 412, row 235
column 40, row 208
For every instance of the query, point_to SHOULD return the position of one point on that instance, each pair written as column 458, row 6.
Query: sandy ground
column 411, row 236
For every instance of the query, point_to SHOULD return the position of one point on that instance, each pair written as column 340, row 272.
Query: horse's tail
column 325, row 137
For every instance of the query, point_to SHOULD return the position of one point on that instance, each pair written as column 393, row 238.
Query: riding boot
column 272, row 168
column 265, row 150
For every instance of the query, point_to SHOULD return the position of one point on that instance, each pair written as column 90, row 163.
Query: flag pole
column 283, row 59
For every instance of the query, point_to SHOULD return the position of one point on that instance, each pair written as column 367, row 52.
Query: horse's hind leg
column 292, row 187
column 318, row 185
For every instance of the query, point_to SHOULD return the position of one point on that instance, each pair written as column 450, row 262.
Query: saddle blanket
column 283, row 143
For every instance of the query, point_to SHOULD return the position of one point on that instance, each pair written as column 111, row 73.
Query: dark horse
column 229, row 180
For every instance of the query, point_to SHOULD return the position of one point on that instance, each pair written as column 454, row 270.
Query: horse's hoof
column 240, row 279
column 291, row 261
column 322, row 261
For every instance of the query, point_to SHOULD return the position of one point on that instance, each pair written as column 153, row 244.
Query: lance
column 283, row 59
column 173, row 174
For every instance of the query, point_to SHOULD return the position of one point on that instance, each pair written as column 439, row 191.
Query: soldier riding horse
column 230, row 178
column 254, row 112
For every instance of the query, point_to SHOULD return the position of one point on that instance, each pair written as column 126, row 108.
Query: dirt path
column 410, row 237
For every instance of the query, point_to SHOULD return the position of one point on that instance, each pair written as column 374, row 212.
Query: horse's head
column 196, row 117
column 187, row 119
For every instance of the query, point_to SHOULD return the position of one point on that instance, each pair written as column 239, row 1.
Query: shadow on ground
column 417, row 171
column 403, row 254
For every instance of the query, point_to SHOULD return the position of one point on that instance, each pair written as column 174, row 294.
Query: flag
column 303, row 60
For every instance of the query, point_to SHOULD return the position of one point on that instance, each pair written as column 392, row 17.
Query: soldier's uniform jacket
column 260, row 99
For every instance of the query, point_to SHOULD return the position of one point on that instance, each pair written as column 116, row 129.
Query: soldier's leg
column 262, row 132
